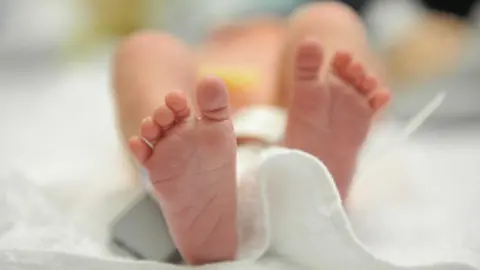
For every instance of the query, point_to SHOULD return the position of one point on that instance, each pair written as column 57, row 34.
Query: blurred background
column 57, row 119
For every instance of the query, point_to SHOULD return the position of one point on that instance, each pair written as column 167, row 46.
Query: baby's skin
column 192, row 164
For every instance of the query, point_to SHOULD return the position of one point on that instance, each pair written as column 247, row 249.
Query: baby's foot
column 192, row 168
column 330, row 117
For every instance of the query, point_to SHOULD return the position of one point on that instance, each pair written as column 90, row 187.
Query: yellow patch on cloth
column 235, row 79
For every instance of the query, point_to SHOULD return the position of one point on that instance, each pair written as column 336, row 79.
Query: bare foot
column 192, row 168
column 330, row 117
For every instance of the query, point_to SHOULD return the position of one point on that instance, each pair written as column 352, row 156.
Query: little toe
column 379, row 100
column 212, row 99
column 150, row 130
column 140, row 149
column 177, row 102
column 164, row 117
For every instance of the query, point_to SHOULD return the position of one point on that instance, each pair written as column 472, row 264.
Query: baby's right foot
column 330, row 117
column 192, row 168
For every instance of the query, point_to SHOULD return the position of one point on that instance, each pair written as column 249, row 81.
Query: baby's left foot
column 330, row 117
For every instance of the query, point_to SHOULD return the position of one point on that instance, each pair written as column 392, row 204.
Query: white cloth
column 290, row 217
column 295, row 221
column 264, row 123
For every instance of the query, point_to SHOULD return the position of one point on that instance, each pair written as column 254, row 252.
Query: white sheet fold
column 291, row 217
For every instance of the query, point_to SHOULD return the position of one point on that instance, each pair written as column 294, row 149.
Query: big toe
column 308, row 60
column 306, row 94
column 212, row 99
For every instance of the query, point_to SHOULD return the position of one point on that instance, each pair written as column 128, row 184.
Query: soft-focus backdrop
column 57, row 120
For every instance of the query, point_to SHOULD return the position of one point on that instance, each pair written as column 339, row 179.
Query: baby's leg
column 147, row 66
column 192, row 163
column 332, row 99
column 338, row 28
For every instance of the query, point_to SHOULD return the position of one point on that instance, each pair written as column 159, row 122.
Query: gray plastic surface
column 141, row 232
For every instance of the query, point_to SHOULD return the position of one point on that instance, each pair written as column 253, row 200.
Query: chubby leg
column 192, row 163
column 147, row 66
column 338, row 28
column 334, row 87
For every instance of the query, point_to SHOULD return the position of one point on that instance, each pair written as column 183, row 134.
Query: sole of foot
column 191, row 165
column 330, row 116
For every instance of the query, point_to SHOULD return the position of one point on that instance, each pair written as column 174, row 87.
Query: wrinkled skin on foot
column 330, row 116
column 192, row 168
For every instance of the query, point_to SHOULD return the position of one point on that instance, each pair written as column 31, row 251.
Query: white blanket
column 291, row 218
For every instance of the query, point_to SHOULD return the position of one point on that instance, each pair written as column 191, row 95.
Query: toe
column 341, row 62
column 150, row 130
column 140, row 149
column 164, row 117
column 355, row 74
column 379, row 100
column 308, row 60
column 369, row 85
column 212, row 99
column 177, row 103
